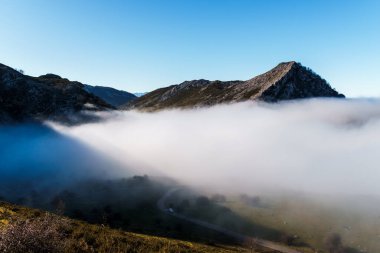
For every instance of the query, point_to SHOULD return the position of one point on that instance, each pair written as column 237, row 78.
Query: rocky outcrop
column 288, row 80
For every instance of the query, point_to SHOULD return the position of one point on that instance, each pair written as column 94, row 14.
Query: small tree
column 20, row 71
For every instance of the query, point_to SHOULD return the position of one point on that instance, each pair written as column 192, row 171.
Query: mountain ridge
column 110, row 95
column 49, row 96
column 288, row 80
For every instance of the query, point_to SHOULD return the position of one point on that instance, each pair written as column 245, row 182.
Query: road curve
column 240, row 237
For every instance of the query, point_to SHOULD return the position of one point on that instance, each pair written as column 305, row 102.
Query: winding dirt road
column 239, row 237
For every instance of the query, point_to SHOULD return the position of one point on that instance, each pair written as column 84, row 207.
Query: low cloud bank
column 36, row 159
column 319, row 145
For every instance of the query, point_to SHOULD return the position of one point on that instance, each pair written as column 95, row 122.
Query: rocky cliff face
column 289, row 80
column 24, row 97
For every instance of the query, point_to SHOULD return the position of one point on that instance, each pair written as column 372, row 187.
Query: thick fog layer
column 35, row 158
column 321, row 145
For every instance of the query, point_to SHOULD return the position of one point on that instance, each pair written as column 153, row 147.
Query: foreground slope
column 288, row 80
column 30, row 230
column 24, row 97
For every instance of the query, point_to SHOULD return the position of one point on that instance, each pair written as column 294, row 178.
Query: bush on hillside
column 44, row 234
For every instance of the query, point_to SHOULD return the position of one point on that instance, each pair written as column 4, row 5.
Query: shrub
column 20, row 71
column 44, row 234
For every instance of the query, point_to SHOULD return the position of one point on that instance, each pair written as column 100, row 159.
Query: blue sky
column 142, row 45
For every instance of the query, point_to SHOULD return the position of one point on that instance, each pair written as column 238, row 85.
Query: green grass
column 128, row 204
column 224, row 215
column 297, row 220
column 313, row 220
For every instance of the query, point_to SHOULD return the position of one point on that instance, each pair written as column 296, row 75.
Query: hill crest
column 24, row 97
column 286, row 81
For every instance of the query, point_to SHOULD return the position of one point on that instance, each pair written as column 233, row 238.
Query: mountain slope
column 110, row 95
column 288, row 80
column 24, row 97
column 30, row 230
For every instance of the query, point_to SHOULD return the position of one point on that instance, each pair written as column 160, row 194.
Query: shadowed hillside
column 112, row 96
column 49, row 96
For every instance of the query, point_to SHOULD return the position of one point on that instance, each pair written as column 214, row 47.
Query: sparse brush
column 44, row 234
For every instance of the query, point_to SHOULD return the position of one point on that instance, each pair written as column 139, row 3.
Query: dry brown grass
column 29, row 230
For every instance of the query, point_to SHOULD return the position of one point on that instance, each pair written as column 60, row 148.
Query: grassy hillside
column 122, row 215
column 30, row 230
column 314, row 219
column 306, row 223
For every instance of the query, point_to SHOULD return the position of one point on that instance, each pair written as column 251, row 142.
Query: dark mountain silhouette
column 49, row 96
column 112, row 96
column 288, row 80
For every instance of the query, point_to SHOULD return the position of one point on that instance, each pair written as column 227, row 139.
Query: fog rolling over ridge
column 318, row 145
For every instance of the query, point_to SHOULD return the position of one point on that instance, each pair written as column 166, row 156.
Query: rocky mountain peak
column 288, row 80
column 291, row 80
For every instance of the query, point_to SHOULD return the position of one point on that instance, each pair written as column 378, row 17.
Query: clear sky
column 142, row 45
